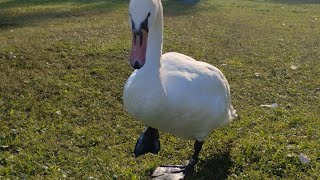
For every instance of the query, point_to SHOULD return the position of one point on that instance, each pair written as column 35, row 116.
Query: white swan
column 171, row 92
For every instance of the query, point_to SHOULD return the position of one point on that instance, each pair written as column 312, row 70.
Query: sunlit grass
column 63, row 65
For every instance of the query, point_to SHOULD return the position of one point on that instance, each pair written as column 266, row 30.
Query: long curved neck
column 154, row 43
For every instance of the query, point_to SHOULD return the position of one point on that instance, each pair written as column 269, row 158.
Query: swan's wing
column 197, row 92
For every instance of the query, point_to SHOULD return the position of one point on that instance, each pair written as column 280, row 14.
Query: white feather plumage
column 175, row 93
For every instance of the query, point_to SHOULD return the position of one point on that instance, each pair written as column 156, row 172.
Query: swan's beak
column 139, row 48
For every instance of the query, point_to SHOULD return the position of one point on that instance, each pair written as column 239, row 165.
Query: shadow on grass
column 26, row 3
column 296, row 1
column 183, row 7
column 216, row 167
column 17, row 13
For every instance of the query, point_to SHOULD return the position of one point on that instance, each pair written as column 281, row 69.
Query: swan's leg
column 194, row 159
column 147, row 142
column 178, row 171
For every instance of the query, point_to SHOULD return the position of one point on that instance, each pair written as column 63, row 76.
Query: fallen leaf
column 290, row 155
column 58, row 112
column 293, row 67
column 304, row 159
column 273, row 105
column 257, row 75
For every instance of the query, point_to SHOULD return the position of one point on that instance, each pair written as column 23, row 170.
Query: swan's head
column 141, row 17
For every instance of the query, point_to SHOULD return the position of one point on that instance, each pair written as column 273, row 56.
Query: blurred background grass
column 63, row 65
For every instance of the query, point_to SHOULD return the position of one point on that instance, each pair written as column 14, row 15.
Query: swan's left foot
column 147, row 142
column 177, row 172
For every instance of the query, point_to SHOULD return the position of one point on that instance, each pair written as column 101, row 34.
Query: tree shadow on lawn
column 183, row 7
column 26, row 3
column 18, row 13
column 216, row 167
column 296, row 1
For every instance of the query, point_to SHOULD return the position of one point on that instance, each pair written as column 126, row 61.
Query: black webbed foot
column 147, row 142
column 178, row 172
column 172, row 172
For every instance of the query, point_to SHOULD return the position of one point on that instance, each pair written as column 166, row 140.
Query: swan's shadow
column 216, row 167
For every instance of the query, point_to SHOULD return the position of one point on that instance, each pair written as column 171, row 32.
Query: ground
column 63, row 65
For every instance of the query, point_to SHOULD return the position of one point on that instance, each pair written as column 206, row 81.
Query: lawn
column 63, row 65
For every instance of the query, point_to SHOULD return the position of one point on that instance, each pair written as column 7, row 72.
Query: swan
column 171, row 92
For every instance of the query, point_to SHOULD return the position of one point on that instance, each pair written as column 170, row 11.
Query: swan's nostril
column 137, row 33
column 136, row 65
column 141, row 39
column 138, row 37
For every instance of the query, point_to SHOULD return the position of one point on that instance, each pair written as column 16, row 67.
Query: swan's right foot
column 178, row 172
column 147, row 142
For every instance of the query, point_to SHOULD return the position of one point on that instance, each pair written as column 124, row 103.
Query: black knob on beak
column 136, row 65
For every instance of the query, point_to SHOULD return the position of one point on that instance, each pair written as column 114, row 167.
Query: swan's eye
column 144, row 24
column 132, row 25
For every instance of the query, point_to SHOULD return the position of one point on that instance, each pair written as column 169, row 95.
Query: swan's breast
column 142, row 98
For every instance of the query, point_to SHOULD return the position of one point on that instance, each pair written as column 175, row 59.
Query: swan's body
column 190, row 99
column 171, row 92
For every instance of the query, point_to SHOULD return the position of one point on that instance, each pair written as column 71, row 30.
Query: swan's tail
column 232, row 112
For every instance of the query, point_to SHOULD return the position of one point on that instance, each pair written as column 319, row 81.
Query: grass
column 63, row 65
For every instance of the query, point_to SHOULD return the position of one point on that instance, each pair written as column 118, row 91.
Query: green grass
column 63, row 65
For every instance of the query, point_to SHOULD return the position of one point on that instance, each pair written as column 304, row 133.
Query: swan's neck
column 154, row 44
column 145, row 94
